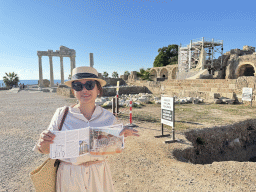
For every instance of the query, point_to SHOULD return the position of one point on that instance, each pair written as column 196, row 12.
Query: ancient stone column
column 72, row 63
column 40, row 71
column 71, row 66
column 51, row 72
column 61, row 70
column 91, row 60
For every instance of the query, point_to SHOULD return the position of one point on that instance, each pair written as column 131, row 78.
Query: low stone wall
column 4, row 88
column 235, row 142
column 204, row 88
column 65, row 91
column 113, row 81
column 107, row 91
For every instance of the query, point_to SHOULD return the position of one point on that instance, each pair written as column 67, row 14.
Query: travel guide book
column 90, row 140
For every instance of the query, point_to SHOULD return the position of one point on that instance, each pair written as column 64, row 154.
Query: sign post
column 167, row 109
column 247, row 94
column 117, row 101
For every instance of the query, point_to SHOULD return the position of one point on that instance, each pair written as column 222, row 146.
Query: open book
column 90, row 140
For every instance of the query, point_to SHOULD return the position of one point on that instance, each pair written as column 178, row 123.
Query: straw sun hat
column 80, row 73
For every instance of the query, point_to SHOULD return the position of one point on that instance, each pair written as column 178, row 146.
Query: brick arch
column 245, row 69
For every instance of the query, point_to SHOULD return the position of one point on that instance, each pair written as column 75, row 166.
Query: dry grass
column 190, row 116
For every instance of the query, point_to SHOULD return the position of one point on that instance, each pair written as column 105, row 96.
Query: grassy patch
column 140, row 117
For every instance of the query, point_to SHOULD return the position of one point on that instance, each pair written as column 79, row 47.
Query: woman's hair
column 98, row 86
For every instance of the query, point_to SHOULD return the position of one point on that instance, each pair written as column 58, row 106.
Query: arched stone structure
column 153, row 74
column 63, row 52
column 174, row 72
column 245, row 69
column 164, row 73
column 167, row 72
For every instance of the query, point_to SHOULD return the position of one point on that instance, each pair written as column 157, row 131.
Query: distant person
column 23, row 86
column 57, row 84
column 85, row 175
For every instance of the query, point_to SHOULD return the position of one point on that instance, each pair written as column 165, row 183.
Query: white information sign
column 247, row 94
column 167, row 117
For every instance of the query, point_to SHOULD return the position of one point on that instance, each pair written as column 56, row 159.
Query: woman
column 87, row 172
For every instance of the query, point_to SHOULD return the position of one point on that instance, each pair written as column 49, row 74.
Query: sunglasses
column 78, row 86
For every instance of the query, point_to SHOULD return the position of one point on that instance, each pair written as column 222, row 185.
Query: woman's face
column 86, row 96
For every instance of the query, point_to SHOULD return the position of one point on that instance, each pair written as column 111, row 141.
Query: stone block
column 108, row 104
column 53, row 90
column 232, row 86
column 214, row 95
column 45, row 90
column 215, row 90
column 204, row 89
column 217, row 101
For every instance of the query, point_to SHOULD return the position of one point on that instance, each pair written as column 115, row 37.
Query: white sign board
column 167, row 111
column 247, row 94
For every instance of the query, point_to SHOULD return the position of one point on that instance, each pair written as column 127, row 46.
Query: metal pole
column 202, row 49
column 113, row 106
column 173, row 119
column 221, row 54
column 117, row 104
column 173, row 127
column 212, row 55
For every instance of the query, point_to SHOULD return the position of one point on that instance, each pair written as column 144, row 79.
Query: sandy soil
column 146, row 164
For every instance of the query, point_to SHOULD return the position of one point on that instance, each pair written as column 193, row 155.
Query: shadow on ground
column 236, row 142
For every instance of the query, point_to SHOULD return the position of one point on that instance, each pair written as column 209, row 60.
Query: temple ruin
column 63, row 52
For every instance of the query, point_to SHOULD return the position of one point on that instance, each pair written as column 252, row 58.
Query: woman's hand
column 127, row 131
column 46, row 138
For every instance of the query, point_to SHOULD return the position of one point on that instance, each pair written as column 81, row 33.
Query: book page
column 90, row 140
column 106, row 140
column 69, row 144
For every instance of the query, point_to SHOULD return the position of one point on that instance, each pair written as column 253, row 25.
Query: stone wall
column 113, row 81
column 4, row 88
column 65, row 91
column 107, row 91
column 204, row 88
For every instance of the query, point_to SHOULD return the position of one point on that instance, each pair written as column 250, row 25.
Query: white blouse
column 76, row 120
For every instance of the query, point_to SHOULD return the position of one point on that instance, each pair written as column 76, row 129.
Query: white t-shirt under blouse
column 76, row 120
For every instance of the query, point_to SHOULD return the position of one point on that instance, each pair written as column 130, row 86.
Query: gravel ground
column 146, row 164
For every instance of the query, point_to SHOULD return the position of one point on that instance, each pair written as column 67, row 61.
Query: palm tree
column 105, row 74
column 115, row 74
column 11, row 79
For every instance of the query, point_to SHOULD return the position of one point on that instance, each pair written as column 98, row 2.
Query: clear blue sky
column 122, row 34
